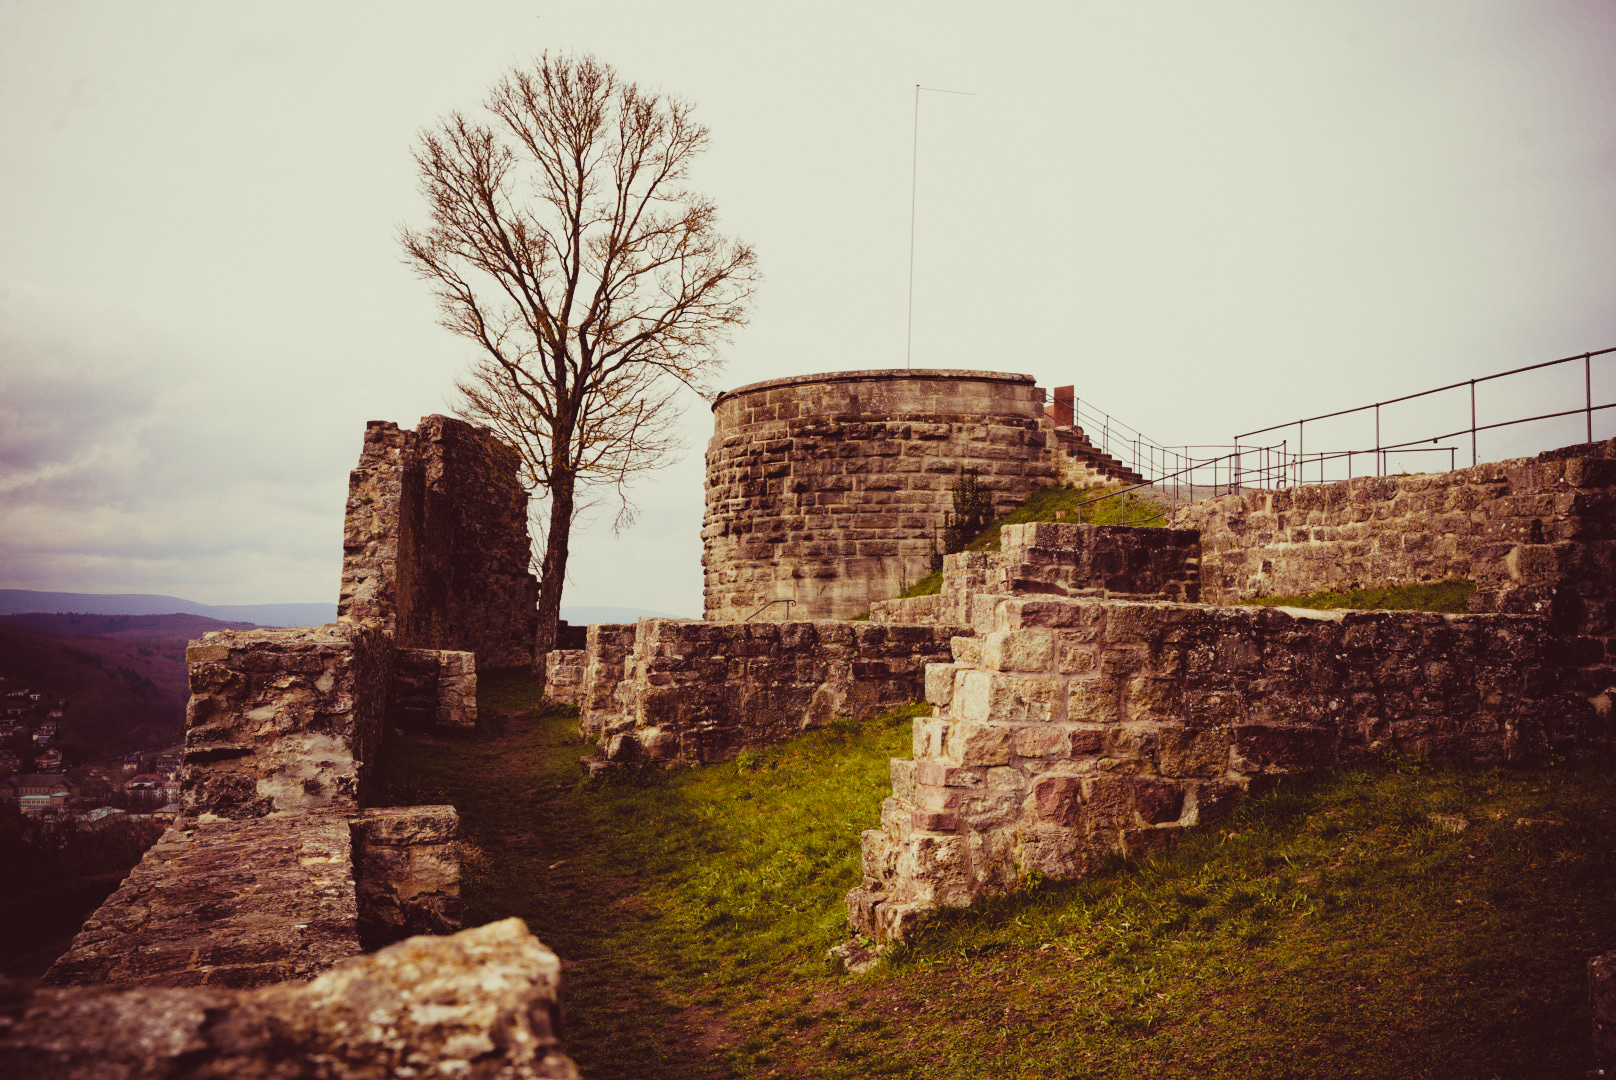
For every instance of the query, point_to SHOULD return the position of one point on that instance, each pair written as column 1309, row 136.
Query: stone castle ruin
column 829, row 491
column 1093, row 693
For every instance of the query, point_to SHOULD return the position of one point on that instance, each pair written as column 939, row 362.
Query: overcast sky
column 1208, row 216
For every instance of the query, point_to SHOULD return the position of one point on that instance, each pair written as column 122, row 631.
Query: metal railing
column 1185, row 473
column 1382, row 450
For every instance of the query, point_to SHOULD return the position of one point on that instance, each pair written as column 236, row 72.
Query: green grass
column 1447, row 596
column 1060, row 502
column 1329, row 930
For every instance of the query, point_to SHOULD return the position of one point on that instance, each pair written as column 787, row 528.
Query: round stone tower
column 829, row 490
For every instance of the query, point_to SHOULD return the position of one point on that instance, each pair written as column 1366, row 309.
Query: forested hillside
column 123, row 677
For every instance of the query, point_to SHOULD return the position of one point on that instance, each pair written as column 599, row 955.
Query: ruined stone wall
column 606, row 652
column 433, row 688
column 283, row 719
column 406, row 872
column 225, row 903
column 1059, row 559
column 701, row 692
column 565, row 671
column 274, row 871
column 1078, row 728
column 483, row 1003
column 1376, row 531
column 1536, row 535
column 435, row 542
column 830, row 489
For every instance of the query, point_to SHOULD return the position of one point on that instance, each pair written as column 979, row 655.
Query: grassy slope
column 1331, row 930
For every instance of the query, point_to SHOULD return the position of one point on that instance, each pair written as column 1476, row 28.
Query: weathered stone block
column 976, row 743
column 486, row 1001
column 1059, row 800
column 1019, row 650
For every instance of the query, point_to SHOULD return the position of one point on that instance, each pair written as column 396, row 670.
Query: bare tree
column 565, row 243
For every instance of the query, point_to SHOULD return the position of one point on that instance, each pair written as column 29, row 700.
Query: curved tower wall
column 828, row 489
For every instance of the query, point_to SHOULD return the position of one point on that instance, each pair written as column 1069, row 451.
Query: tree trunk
column 554, row 571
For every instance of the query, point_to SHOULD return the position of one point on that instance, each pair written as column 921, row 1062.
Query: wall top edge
column 880, row 375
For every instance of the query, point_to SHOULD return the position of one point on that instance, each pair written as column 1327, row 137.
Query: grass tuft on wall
column 1452, row 597
column 1060, row 502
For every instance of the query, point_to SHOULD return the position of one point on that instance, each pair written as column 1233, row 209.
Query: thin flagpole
column 914, row 175
column 914, row 178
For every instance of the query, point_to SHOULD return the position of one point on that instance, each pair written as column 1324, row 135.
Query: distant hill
column 125, row 626
column 19, row 601
column 122, row 693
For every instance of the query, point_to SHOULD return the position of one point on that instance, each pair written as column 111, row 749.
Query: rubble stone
column 1030, row 764
column 484, row 1003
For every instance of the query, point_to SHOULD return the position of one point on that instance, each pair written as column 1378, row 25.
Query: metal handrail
column 1588, row 408
column 769, row 605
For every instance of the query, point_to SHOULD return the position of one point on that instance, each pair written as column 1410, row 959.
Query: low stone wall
column 1059, row 559
column 1081, row 728
column 605, row 660
column 283, row 719
column 406, row 863
column 564, row 674
column 702, row 692
column 225, row 903
column 274, row 871
column 433, row 688
column 483, row 1003
column 1398, row 530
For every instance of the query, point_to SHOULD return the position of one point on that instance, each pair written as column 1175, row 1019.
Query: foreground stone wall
column 483, row 1003
column 700, row 692
column 274, row 871
column 1080, row 728
column 435, row 542
column 225, row 903
column 283, row 719
column 1059, row 559
column 406, row 872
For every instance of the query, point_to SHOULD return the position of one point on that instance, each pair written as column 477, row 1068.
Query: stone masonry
column 1078, row 728
column 225, row 903
column 831, row 490
column 435, row 543
column 275, row 871
column 1059, row 559
column 1536, row 535
column 283, row 719
column 696, row 692
column 433, row 688
column 565, row 672
column 483, row 1003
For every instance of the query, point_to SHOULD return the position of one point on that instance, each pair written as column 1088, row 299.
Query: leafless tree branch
column 564, row 242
